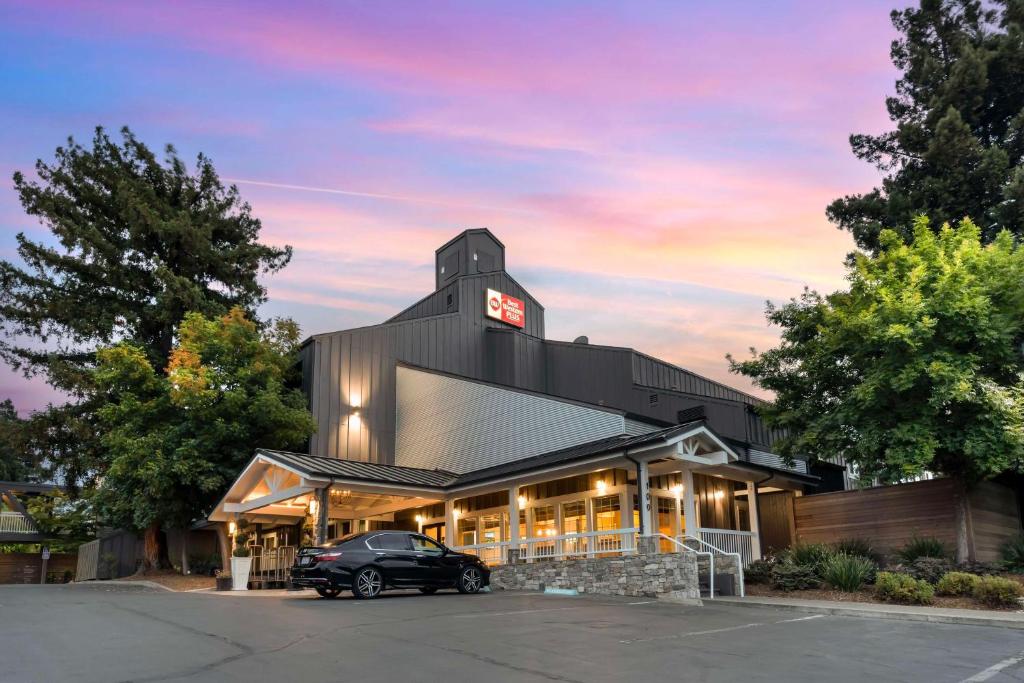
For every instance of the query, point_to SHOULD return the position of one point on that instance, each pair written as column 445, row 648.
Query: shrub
column 204, row 565
column 995, row 591
column 787, row 576
column 847, row 572
column 810, row 555
column 923, row 546
column 1013, row 554
column 957, row 583
column 980, row 568
column 857, row 547
column 902, row 588
column 929, row 569
column 759, row 571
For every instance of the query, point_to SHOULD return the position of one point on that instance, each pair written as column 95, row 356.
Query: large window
column 574, row 517
column 490, row 528
column 606, row 513
column 544, row 523
column 666, row 522
column 467, row 531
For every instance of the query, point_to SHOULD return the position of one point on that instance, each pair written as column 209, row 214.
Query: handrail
column 739, row 558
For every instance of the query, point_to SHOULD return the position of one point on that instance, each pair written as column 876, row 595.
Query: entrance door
column 434, row 531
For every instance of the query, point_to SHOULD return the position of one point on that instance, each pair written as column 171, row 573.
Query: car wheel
column 329, row 593
column 428, row 590
column 368, row 583
column 471, row 580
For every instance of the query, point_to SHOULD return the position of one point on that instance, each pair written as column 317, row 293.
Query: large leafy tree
column 173, row 441
column 958, row 144
column 917, row 367
column 135, row 243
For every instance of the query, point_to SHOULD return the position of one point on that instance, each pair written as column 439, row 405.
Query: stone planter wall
column 644, row 575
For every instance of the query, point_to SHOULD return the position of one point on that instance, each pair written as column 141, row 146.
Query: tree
column 172, row 442
column 14, row 462
column 136, row 244
column 917, row 367
column 65, row 521
column 958, row 146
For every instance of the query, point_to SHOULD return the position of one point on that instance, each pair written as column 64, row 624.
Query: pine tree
column 137, row 244
column 958, row 147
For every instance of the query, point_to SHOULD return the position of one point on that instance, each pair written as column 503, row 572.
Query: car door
column 393, row 554
column 430, row 561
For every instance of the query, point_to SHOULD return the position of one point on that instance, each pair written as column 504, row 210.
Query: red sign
column 505, row 308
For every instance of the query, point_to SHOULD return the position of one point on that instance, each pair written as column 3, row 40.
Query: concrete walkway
column 875, row 610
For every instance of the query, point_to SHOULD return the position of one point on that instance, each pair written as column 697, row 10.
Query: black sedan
column 368, row 563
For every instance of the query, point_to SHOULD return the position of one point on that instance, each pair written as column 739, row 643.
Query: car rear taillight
column 327, row 557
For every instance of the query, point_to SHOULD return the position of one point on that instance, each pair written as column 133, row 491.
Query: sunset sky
column 655, row 170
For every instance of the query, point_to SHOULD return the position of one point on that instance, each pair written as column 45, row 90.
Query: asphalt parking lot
column 129, row 633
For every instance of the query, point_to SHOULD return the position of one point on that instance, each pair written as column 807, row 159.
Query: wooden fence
column 110, row 557
column 26, row 567
column 975, row 525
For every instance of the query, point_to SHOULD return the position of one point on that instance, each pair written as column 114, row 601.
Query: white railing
column 491, row 553
column 681, row 547
column 702, row 547
column 563, row 546
column 16, row 523
column 741, row 542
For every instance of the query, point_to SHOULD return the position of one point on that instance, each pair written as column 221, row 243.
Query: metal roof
column 317, row 466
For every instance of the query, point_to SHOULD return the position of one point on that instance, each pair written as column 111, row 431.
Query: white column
column 689, row 503
column 755, row 521
column 450, row 527
column 626, row 515
column 513, row 515
column 643, row 489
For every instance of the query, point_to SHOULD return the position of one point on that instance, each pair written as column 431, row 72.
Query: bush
column 1013, row 554
column 857, row 547
column 923, row 546
column 904, row 589
column 810, row 555
column 980, row 568
column 929, row 569
column 847, row 572
column 957, row 583
column 204, row 565
column 995, row 591
column 759, row 571
column 787, row 576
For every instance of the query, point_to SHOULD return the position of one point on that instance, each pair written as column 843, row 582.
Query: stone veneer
column 669, row 575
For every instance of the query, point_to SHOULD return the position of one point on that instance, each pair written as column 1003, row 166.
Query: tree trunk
column 225, row 547
column 152, row 550
column 185, row 570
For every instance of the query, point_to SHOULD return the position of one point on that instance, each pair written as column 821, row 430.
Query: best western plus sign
column 505, row 308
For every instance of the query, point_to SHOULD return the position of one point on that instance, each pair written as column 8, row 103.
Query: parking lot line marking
column 645, row 602
column 995, row 668
column 719, row 630
column 522, row 611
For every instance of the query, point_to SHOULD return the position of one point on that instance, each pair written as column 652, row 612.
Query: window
column 544, row 521
column 389, row 542
column 574, row 517
column 606, row 513
column 422, row 544
column 467, row 531
column 490, row 531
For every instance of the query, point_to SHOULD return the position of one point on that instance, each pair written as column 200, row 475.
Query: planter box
column 224, row 582
column 240, row 567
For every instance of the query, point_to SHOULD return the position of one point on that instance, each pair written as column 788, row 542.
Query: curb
column 864, row 610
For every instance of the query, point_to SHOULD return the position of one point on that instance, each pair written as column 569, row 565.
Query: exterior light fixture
column 522, row 501
column 312, row 507
column 677, row 489
column 456, row 513
column 354, row 420
column 232, row 528
column 419, row 519
column 601, row 486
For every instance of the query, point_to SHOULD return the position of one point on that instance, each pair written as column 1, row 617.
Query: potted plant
column 241, row 561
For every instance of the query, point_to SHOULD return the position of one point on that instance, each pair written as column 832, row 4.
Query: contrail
column 373, row 195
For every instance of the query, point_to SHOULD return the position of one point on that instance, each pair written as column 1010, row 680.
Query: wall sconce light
column 419, row 519
column 232, row 528
column 719, row 494
column 677, row 489
column 601, row 486
column 522, row 501
column 456, row 513
column 312, row 507
column 354, row 421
